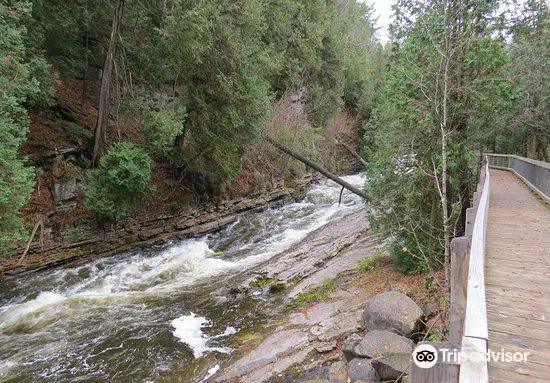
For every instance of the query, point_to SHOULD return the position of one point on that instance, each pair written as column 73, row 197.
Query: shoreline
column 95, row 242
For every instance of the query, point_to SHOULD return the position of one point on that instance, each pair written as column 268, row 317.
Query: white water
column 79, row 321
column 188, row 329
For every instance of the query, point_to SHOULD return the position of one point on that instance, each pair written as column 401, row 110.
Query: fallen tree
column 317, row 167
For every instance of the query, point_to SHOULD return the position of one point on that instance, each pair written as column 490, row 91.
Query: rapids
column 155, row 314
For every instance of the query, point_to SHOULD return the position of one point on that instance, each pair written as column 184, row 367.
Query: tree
column 218, row 56
column 121, row 179
column 446, row 79
column 25, row 79
column 100, row 135
column 527, row 129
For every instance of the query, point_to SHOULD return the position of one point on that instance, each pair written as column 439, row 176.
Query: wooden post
column 460, row 248
column 470, row 218
column 445, row 371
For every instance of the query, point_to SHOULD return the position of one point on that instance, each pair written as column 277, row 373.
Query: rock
column 64, row 191
column 393, row 311
column 324, row 347
column 377, row 343
column 349, row 345
column 338, row 373
column 392, row 366
column 361, row 369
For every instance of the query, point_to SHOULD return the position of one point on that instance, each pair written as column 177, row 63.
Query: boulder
column 361, row 369
column 377, row 343
column 337, row 373
column 393, row 311
column 349, row 345
column 63, row 191
column 392, row 366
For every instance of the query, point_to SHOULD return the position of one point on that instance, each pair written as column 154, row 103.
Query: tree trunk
column 319, row 168
column 444, row 134
column 104, row 96
column 353, row 153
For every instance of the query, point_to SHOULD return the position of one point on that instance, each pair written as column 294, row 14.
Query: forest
column 179, row 137
column 135, row 94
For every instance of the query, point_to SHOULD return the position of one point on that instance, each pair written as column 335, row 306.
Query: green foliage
column 325, row 47
column 314, row 295
column 403, row 136
column 526, row 130
column 121, row 180
column 20, row 83
column 161, row 126
column 374, row 262
column 218, row 54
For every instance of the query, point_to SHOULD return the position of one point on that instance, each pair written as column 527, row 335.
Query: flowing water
column 152, row 315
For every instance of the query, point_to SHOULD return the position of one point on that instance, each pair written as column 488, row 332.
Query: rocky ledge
column 350, row 336
column 86, row 240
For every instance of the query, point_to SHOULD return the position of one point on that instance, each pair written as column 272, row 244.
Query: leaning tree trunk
column 104, row 96
column 317, row 167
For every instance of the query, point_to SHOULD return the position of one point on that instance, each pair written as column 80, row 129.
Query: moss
column 276, row 287
column 260, row 282
column 314, row 295
column 374, row 262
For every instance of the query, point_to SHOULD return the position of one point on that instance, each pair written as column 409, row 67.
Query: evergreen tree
column 25, row 79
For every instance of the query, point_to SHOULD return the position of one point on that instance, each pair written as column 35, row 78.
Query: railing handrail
column 475, row 336
column 542, row 164
column 535, row 174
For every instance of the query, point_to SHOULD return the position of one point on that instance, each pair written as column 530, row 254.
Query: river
column 158, row 315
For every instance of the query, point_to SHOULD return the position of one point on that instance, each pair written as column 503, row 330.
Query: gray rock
column 349, row 345
column 64, row 191
column 393, row 311
column 392, row 366
column 377, row 343
column 324, row 347
column 361, row 369
column 338, row 373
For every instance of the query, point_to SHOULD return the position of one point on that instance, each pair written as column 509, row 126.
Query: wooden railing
column 475, row 334
column 536, row 174
column 468, row 316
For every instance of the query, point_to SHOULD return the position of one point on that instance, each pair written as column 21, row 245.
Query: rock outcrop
column 393, row 311
column 361, row 369
column 376, row 344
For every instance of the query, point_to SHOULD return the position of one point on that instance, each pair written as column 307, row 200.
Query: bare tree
column 105, row 96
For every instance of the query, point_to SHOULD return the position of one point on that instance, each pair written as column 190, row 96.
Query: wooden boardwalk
column 517, row 279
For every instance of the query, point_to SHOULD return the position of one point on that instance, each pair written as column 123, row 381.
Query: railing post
column 445, row 370
column 460, row 248
column 470, row 218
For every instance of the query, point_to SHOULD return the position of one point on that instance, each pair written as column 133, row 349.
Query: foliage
column 121, row 179
column 21, row 83
column 403, row 137
column 527, row 128
column 160, row 125
column 315, row 294
column 325, row 47
column 217, row 52
column 374, row 262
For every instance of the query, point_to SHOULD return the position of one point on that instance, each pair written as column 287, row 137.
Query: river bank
column 175, row 311
column 328, row 279
column 88, row 240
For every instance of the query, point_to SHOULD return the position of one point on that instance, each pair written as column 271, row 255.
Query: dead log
column 317, row 167
column 353, row 153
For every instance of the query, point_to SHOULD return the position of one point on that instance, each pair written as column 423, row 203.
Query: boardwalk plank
column 517, row 279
